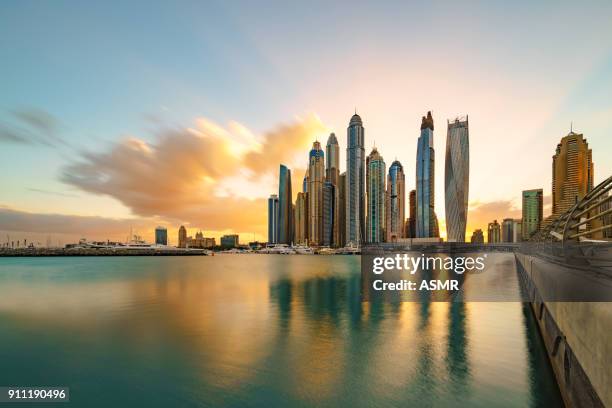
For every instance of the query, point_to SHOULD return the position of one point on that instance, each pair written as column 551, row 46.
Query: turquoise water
column 257, row 330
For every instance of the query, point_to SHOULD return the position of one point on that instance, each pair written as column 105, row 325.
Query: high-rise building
column 517, row 230
column 332, row 175
column 273, row 227
column 342, row 210
column 182, row 237
column 532, row 214
column 507, row 230
column 332, row 160
column 316, row 178
column 285, row 206
column 329, row 212
column 375, row 195
column 457, row 178
column 355, row 181
column 411, row 222
column 494, row 232
column 395, row 202
column 161, row 236
column 477, row 237
column 572, row 172
column 301, row 219
column 426, row 220
column 229, row 241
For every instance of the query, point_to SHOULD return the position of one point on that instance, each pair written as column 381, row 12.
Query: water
column 257, row 330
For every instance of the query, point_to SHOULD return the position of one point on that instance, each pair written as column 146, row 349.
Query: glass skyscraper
column 457, row 178
column 395, row 202
column 273, row 219
column 426, row 222
column 285, row 206
column 533, row 210
column 355, row 182
column 375, row 180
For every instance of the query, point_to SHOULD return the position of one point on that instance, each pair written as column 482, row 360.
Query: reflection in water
column 257, row 330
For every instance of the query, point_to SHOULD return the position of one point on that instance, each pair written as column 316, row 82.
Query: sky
column 118, row 116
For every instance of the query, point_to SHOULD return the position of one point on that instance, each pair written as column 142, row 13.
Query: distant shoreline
column 49, row 252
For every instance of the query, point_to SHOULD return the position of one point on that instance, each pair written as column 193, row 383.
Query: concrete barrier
column 577, row 335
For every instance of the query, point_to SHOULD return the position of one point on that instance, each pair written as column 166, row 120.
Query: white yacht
column 302, row 250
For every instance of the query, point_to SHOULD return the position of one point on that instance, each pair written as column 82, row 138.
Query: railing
column 589, row 220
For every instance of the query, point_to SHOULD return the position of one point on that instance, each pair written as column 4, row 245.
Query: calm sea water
column 257, row 330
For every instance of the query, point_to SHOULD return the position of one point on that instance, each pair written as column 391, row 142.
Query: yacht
column 302, row 250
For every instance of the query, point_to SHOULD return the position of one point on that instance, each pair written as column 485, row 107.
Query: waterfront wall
column 576, row 334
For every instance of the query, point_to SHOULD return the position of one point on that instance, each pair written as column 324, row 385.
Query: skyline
column 93, row 120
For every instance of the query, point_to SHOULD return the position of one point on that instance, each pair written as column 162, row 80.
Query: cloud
column 480, row 214
column 21, row 221
column 31, row 126
column 180, row 175
column 48, row 192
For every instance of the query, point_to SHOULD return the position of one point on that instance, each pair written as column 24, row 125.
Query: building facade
column 301, row 219
column 329, row 213
column 411, row 221
column 572, row 172
column 342, row 210
column 507, row 230
column 395, row 203
column 332, row 175
column 182, row 237
column 426, row 221
column 355, row 182
column 375, row 195
column 229, row 241
column 316, row 178
column 456, row 179
column 161, row 236
column 477, row 237
column 494, row 232
column 285, row 206
column 532, row 212
column 273, row 227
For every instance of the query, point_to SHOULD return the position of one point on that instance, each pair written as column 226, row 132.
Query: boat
column 302, row 250
column 282, row 249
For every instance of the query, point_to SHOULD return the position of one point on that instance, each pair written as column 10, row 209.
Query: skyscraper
column 411, row 223
column 285, row 201
column 342, row 210
column 456, row 179
column 395, row 202
column 301, row 219
column 493, row 232
column 329, row 212
column 375, row 179
column 316, row 177
column 532, row 212
column 273, row 219
column 332, row 160
column 426, row 221
column 161, row 236
column 572, row 172
column 355, row 181
column 332, row 175
column 182, row 237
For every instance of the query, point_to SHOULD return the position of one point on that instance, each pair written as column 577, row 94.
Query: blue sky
column 108, row 71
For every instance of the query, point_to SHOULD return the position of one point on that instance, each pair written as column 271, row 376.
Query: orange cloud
column 179, row 176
